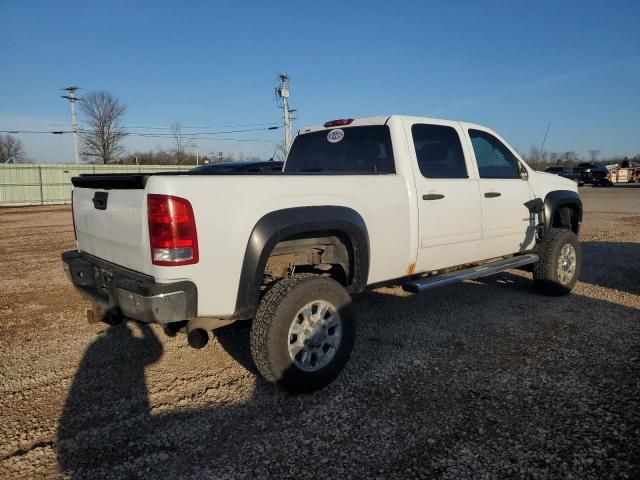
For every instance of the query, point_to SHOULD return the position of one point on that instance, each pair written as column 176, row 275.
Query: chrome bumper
column 123, row 292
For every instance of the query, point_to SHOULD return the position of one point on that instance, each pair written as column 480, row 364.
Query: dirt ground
column 485, row 379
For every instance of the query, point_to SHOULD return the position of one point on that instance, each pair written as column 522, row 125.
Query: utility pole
column 74, row 121
column 282, row 95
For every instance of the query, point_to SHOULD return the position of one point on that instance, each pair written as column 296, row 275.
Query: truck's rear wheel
column 559, row 267
column 303, row 332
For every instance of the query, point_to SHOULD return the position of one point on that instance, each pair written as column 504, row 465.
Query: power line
column 195, row 135
column 139, row 127
column 60, row 132
column 211, row 126
column 54, row 132
column 225, row 139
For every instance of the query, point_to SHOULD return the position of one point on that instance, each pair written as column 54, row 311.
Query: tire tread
column 262, row 321
column 544, row 274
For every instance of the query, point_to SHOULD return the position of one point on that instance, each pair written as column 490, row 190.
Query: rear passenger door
column 448, row 197
column 506, row 223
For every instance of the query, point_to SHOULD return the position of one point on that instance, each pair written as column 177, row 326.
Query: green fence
column 29, row 184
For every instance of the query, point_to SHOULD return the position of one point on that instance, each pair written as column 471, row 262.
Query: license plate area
column 102, row 278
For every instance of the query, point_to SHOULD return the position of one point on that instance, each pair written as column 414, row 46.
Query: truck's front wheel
column 303, row 332
column 560, row 259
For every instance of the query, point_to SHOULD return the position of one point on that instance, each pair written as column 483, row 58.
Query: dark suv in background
column 567, row 172
column 594, row 173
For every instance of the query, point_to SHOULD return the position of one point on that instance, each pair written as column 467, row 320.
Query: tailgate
column 111, row 224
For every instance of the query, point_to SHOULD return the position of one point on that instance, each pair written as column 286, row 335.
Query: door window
column 438, row 151
column 494, row 159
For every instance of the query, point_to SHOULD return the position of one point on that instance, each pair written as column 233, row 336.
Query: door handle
column 100, row 200
column 492, row 194
column 432, row 196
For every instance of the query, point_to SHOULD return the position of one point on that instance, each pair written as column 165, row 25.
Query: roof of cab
column 383, row 119
column 357, row 122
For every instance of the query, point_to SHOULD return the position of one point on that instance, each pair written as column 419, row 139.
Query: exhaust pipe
column 198, row 330
column 197, row 338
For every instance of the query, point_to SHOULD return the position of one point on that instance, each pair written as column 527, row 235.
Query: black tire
column 270, row 334
column 546, row 271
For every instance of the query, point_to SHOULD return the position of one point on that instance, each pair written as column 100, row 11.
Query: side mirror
column 524, row 174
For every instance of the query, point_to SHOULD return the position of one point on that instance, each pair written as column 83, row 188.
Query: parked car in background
column 594, row 173
column 261, row 166
column 566, row 172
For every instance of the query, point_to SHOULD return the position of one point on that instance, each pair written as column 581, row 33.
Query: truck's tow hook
column 198, row 338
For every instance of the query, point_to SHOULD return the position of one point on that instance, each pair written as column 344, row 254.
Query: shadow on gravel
column 108, row 399
column 234, row 339
column 480, row 380
column 614, row 265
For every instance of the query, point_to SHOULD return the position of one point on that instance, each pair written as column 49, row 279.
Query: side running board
column 426, row 283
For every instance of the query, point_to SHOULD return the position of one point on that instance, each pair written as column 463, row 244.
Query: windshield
column 365, row 150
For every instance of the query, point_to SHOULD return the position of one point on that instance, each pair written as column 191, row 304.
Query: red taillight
column 339, row 123
column 172, row 231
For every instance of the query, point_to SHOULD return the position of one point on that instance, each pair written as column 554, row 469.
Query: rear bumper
column 130, row 294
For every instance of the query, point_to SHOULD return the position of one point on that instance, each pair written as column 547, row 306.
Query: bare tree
column 594, row 154
column 181, row 145
column 569, row 157
column 103, row 114
column 536, row 158
column 11, row 146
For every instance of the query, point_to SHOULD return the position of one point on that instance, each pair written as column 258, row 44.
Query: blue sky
column 511, row 65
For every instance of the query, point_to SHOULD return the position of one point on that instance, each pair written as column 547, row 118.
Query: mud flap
column 536, row 209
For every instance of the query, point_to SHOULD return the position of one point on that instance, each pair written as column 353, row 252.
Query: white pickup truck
column 415, row 201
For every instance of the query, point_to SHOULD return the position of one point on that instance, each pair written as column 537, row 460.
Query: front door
column 507, row 226
column 448, row 198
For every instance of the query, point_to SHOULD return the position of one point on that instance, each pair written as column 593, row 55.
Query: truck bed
column 227, row 207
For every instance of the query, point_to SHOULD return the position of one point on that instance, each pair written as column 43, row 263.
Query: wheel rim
column 314, row 336
column 566, row 263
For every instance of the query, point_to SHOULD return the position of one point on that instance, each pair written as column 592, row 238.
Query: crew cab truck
column 415, row 201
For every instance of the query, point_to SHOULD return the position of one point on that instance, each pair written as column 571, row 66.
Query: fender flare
column 561, row 198
column 280, row 224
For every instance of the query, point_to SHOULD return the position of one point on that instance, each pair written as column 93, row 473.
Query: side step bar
column 426, row 283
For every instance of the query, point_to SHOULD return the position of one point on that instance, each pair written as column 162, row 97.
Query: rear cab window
column 347, row 150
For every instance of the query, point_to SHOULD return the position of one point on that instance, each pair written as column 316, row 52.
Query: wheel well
column 325, row 253
column 568, row 217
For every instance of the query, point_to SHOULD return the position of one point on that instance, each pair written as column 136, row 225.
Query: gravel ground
column 482, row 380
